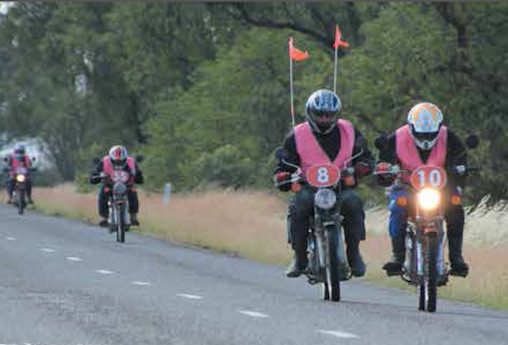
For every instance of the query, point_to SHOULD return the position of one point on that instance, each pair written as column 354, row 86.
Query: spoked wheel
column 332, row 284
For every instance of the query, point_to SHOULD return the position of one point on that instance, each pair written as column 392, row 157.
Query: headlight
column 429, row 199
column 325, row 199
column 20, row 178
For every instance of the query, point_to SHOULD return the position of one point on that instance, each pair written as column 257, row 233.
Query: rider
column 425, row 140
column 117, row 159
column 324, row 138
column 19, row 159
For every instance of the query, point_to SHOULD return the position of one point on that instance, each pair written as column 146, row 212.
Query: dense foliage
column 202, row 89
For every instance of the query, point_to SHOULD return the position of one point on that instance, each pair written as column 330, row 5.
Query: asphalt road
column 64, row 282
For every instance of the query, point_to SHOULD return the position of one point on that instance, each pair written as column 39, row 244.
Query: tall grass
column 253, row 225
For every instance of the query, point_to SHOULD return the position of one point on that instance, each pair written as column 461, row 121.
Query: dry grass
column 252, row 225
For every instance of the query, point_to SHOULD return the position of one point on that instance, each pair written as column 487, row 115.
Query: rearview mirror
column 472, row 141
column 381, row 142
column 140, row 158
column 280, row 153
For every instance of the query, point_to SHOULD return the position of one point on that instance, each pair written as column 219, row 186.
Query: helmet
column 424, row 120
column 19, row 151
column 322, row 110
column 118, row 155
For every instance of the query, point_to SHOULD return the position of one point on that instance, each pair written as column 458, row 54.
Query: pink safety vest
column 15, row 163
column 108, row 168
column 408, row 155
column 311, row 153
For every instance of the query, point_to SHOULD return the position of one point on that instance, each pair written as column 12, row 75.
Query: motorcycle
column 327, row 260
column 425, row 238
column 118, row 215
column 19, row 192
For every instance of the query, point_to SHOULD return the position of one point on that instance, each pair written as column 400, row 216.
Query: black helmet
column 19, row 151
column 322, row 110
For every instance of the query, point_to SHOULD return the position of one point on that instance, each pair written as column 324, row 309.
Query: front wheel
column 21, row 201
column 120, row 221
column 332, row 284
column 428, row 285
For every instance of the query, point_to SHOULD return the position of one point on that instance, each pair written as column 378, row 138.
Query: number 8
column 322, row 175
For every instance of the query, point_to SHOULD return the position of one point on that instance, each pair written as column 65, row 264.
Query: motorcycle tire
column 120, row 221
column 332, row 282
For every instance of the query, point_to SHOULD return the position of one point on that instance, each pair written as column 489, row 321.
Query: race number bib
column 428, row 177
column 120, row 176
column 323, row 175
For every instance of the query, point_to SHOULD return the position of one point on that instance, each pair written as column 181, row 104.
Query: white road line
column 74, row 258
column 252, row 313
column 141, row 283
column 339, row 334
column 8, row 238
column 188, row 296
column 104, row 271
column 47, row 250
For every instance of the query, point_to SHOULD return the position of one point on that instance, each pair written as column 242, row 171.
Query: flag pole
column 335, row 70
column 291, row 84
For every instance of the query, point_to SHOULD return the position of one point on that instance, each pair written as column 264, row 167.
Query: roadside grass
column 252, row 224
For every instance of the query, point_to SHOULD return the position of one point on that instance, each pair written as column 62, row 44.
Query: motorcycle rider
column 19, row 159
column 425, row 140
column 323, row 137
column 117, row 159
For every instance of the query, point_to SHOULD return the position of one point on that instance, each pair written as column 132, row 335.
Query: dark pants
column 301, row 209
column 102, row 201
column 11, row 183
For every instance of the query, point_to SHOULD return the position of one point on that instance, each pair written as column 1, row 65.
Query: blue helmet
column 322, row 110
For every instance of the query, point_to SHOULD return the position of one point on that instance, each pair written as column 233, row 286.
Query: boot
column 394, row 266
column 134, row 219
column 9, row 199
column 103, row 223
column 355, row 258
column 29, row 199
column 298, row 265
column 459, row 266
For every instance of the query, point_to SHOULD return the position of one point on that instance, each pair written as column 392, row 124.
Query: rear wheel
column 332, row 284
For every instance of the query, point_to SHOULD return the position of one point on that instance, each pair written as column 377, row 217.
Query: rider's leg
column 133, row 207
column 397, row 226
column 300, row 210
column 455, row 230
column 102, row 205
column 10, row 189
column 354, row 229
column 29, row 191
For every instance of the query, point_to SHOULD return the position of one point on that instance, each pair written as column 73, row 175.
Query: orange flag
column 296, row 54
column 338, row 42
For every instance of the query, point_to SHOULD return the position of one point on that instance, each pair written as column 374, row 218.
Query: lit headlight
column 429, row 199
column 325, row 199
column 20, row 178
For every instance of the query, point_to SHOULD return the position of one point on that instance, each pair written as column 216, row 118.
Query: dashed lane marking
column 9, row 238
column 141, row 283
column 339, row 334
column 104, row 271
column 253, row 313
column 189, row 296
column 74, row 259
column 47, row 250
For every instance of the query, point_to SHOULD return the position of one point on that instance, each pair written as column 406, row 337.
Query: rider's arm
column 365, row 159
column 95, row 174
column 388, row 154
column 139, row 179
column 456, row 154
column 291, row 155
